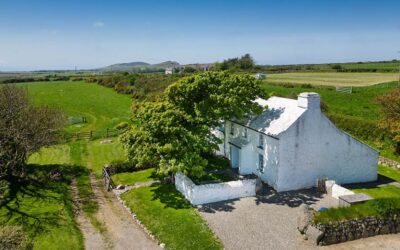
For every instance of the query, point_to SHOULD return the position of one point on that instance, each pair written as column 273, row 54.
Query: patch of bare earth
column 122, row 230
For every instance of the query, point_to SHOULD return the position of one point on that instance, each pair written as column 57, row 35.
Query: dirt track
column 122, row 231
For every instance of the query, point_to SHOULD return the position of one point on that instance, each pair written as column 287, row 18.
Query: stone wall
column 336, row 232
column 208, row 193
column 388, row 162
column 347, row 230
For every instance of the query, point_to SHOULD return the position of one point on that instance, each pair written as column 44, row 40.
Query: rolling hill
column 139, row 66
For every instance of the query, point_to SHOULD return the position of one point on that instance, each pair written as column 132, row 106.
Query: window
column 232, row 128
column 245, row 133
column 261, row 163
column 261, row 141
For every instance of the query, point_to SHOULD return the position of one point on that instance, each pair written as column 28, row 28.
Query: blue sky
column 67, row 33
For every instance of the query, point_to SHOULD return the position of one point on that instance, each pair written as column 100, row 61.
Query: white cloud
column 98, row 24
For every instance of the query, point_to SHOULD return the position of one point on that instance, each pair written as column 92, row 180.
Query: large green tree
column 176, row 133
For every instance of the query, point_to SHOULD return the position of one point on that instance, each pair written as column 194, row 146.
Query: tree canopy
column 176, row 133
column 24, row 129
column 245, row 62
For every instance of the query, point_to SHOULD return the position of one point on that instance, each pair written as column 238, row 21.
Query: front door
column 234, row 153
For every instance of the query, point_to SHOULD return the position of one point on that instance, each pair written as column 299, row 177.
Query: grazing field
column 103, row 107
column 332, row 78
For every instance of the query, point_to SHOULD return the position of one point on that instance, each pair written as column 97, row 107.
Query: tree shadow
column 169, row 196
column 220, row 206
column 289, row 198
column 35, row 201
column 268, row 196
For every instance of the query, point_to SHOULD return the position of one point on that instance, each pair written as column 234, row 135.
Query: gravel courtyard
column 269, row 221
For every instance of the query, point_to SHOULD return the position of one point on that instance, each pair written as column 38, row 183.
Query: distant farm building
column 260, row 76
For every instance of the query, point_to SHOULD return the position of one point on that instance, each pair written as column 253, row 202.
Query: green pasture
column 332, row 78
column 103, row 107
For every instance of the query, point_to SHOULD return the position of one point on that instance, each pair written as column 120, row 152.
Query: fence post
column 107, row 133
column 91, row 133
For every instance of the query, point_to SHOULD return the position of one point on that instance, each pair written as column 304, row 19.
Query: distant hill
column 140, row 66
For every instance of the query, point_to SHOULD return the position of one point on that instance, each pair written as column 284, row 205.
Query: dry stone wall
column 388, row 162
column 336, row 232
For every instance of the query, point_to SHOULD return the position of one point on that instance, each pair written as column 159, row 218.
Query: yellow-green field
column 333, row 78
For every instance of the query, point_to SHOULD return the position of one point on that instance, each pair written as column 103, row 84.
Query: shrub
column 12, row 237
column 385, row 207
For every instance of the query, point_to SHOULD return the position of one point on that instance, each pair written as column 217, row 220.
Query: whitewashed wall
column 339, row 191
column 313, row 148
column 208, row 193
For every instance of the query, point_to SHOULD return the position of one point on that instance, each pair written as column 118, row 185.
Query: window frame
column 261, row 163
column 260, row 141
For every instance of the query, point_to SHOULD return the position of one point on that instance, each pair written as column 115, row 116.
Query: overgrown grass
column 375, row 208
column 103, row 107
column 166, row 213
column 134, row 177
column 212, row 177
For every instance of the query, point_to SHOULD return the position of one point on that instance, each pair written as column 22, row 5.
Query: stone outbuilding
column 292, row 144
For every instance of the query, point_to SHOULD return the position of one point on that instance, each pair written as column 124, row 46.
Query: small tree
column 176, row 133
column 24, row 129
column 391, row 110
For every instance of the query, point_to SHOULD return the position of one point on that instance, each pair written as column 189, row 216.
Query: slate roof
column 280, row 115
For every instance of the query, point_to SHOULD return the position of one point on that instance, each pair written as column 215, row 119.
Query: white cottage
column 292, row 144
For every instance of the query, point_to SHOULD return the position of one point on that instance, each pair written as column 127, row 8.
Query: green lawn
column 44, row 210
column 103, row 107
column 134, row 177
column 333, row 78
column 169, row 217
column 388, row 191
column 101, row 154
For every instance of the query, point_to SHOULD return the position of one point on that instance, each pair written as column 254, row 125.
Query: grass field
column 101, row 154
column 332, row 78
column 134, row 177
column 103, row 107
column 170, row 218
column 44, row 210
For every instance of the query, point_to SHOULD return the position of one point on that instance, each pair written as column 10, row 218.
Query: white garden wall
column 208, row 193
column 338, row 191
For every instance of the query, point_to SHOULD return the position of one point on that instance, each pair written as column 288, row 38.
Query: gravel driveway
column 269, row 221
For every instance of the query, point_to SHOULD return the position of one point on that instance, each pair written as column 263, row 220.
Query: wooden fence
column 348, row 90
column 92, row 134
column 108, row 183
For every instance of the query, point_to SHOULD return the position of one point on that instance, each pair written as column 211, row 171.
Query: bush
column 12, row 237
column 385, row 207
column 122, row 126
column 123, row 166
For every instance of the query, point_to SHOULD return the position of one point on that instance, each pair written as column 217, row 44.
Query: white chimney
column 309, row 100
